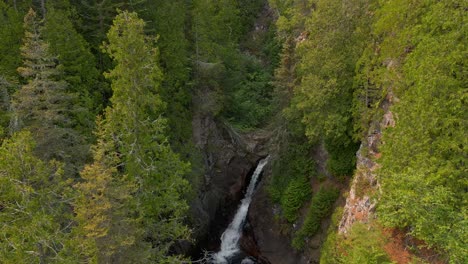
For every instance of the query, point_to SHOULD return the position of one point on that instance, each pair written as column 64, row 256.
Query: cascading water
column 230, row 237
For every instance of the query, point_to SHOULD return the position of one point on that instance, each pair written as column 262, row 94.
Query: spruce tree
column 139, row 129
column 5, row 105
column 78, row 65
column 11, row 31
column 423, row 172
column 33, row 222
column 43, row 105
column 106, row 231
column 96, row 19
column 133, row 157
column 168, row 21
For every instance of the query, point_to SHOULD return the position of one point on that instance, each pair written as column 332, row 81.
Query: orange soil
column 397, row 248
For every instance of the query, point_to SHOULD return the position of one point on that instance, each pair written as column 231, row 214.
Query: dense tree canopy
column 128, row 78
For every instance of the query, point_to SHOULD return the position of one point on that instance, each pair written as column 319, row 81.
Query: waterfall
column 230, row 237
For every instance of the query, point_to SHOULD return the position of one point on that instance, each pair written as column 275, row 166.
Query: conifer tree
column 106, row 231
column 138, row 128
column 11, row 31
column 5, row 105
column 96, row 19
column 32, row 201
column 168, row 21
column 43, row 105
column 78, row 65
column 337, row 34
column 423, row 172
column 133, row 157
column 217, row 29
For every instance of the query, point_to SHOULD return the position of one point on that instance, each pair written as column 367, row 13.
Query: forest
column 129, row 131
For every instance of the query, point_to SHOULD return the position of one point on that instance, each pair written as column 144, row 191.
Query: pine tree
column 11, row 31
column 33, row 204
column 5, row 105
column 133, row 157
column 423, row 172
column 43, row 104
column 168, row 21
column 106, row 231
column 78, row 65
column 139, row 130
column 96, row 19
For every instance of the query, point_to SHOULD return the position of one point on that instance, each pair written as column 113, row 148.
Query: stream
column 231, row 236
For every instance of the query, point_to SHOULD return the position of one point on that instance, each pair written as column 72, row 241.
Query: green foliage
column 294, row 164
column 297, row 192
column 330, row 252
column 11, row 31
column 136, row 125
column 326, row 69
column 78, row 66
column 342, row 157
column 321, row 205
column 217, row 30
column 43, row 105
column 243, row 93
column 106, row 231
column 5, row 104
column 290, row 184
column 249, row 105
column 332, row 38
column 271, row 48
column 169, row 23
column 292, row 15
column 248, row 12
column 423, row 171
column 93, row 18
column 33, row 214
column 364, row 245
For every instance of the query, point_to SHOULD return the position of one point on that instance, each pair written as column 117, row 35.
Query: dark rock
column 227, row 166
column 272, row 245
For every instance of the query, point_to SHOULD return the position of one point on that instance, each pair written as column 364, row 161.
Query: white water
column 231, row 236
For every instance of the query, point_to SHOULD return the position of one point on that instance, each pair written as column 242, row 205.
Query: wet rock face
column 227, row 164
column 273, row 246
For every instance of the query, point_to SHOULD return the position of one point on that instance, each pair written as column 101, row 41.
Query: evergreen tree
column 216, row 29
column 423, row 171
column 169, row 21
column 337, row 35
column 5, row 105
column 43, row 104
column 96, row 18
column 11, row 31
column 78, row 66
column 33, row 204
column 106, row 231
column 140, row 160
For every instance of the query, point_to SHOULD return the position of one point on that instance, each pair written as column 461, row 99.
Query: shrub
column 364, row 244
column 342, row 157
column 297, row 193
column 321, row 206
